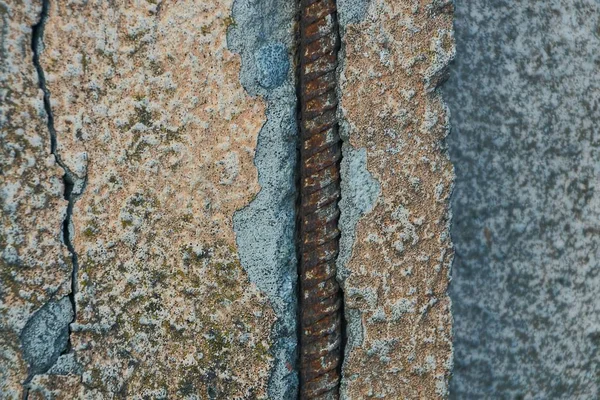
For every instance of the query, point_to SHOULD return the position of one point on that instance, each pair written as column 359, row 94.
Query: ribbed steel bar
column 320, row 153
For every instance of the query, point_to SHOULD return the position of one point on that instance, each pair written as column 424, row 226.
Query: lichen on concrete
column 524, row 98
column 264, row 37
column 396, row 277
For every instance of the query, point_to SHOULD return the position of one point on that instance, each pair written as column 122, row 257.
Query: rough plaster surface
column 524, row 99
column 159, row 135
column 264, row 37
column 395, row 279
column 35, row 266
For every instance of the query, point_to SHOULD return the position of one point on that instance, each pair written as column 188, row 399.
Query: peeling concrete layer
column 396, row 276
column 524, row 97
column 149, row 110
column 264, row 37
column 35, row 266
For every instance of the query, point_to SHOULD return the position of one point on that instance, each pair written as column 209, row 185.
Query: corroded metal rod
column 320, row 154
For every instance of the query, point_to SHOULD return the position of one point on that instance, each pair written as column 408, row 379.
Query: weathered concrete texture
column 264, row 36
column 149, row 112
column 396, row 275
column 524, row 98
column 35, row 266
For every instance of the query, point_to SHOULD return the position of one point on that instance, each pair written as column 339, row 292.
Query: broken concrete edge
column 45, row 338
column 358, row 187
column 445, row 75
column 434, row 81
column 264, row 37
column 360, row 190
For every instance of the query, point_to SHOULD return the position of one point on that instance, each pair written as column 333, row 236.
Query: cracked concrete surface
column 138, row 94
column 181, row 115
column 524, row 98
column 151, row 189
column 35, row 265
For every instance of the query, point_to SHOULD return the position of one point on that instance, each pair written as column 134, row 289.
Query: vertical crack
column 321, row 319
column 73, row 185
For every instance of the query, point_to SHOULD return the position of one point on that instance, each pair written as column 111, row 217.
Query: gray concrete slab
column 524, row 96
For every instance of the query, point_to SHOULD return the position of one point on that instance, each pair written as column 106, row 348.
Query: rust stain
column 320, row 154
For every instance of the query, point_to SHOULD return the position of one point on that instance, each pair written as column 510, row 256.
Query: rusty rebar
column 320, row 154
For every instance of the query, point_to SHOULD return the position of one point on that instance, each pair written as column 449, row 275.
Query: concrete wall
column 524, row 95
column 148, row 196
column 148, row 199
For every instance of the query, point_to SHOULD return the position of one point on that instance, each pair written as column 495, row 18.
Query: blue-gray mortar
column 359, row 195
column 264, row 37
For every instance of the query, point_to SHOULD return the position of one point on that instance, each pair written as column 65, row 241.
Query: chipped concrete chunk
column 46, row 335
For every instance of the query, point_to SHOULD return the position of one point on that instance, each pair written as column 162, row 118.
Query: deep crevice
column 69, row 178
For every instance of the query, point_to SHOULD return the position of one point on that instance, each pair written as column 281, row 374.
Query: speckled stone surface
column 395, row 273
column 158, row 136
column 524, row 98
column 35, row 266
